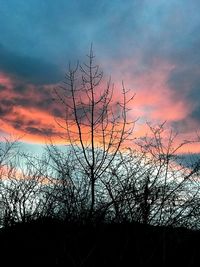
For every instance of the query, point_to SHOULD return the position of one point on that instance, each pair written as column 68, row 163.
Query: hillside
column 58, row 243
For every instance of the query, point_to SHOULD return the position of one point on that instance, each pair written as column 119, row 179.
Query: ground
column 52, row 242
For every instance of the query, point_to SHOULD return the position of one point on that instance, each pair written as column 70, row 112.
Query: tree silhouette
column 151, row 185
column 96, row 123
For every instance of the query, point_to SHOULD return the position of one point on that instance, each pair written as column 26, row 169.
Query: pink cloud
column 155, row 101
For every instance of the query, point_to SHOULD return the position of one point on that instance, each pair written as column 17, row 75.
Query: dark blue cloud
column 60, row 30
column 28, row 68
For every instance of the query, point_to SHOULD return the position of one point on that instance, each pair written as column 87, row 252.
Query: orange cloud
column 154, row 99
column 34, row 125
column 5, row 81
column 29, row 112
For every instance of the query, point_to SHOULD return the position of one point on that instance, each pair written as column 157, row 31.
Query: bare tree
column 153, row 185
column 70, row 190
column 26, row 186
column 96, row 123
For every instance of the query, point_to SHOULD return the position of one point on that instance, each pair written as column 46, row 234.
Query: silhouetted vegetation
column 95, row 201
column 53, row 242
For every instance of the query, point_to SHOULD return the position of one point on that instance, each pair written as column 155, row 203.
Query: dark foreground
column 50, row 242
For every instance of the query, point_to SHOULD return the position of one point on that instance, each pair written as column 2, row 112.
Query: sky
column 152, row 45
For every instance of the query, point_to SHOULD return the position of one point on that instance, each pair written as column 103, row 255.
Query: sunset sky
column 152, row 45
